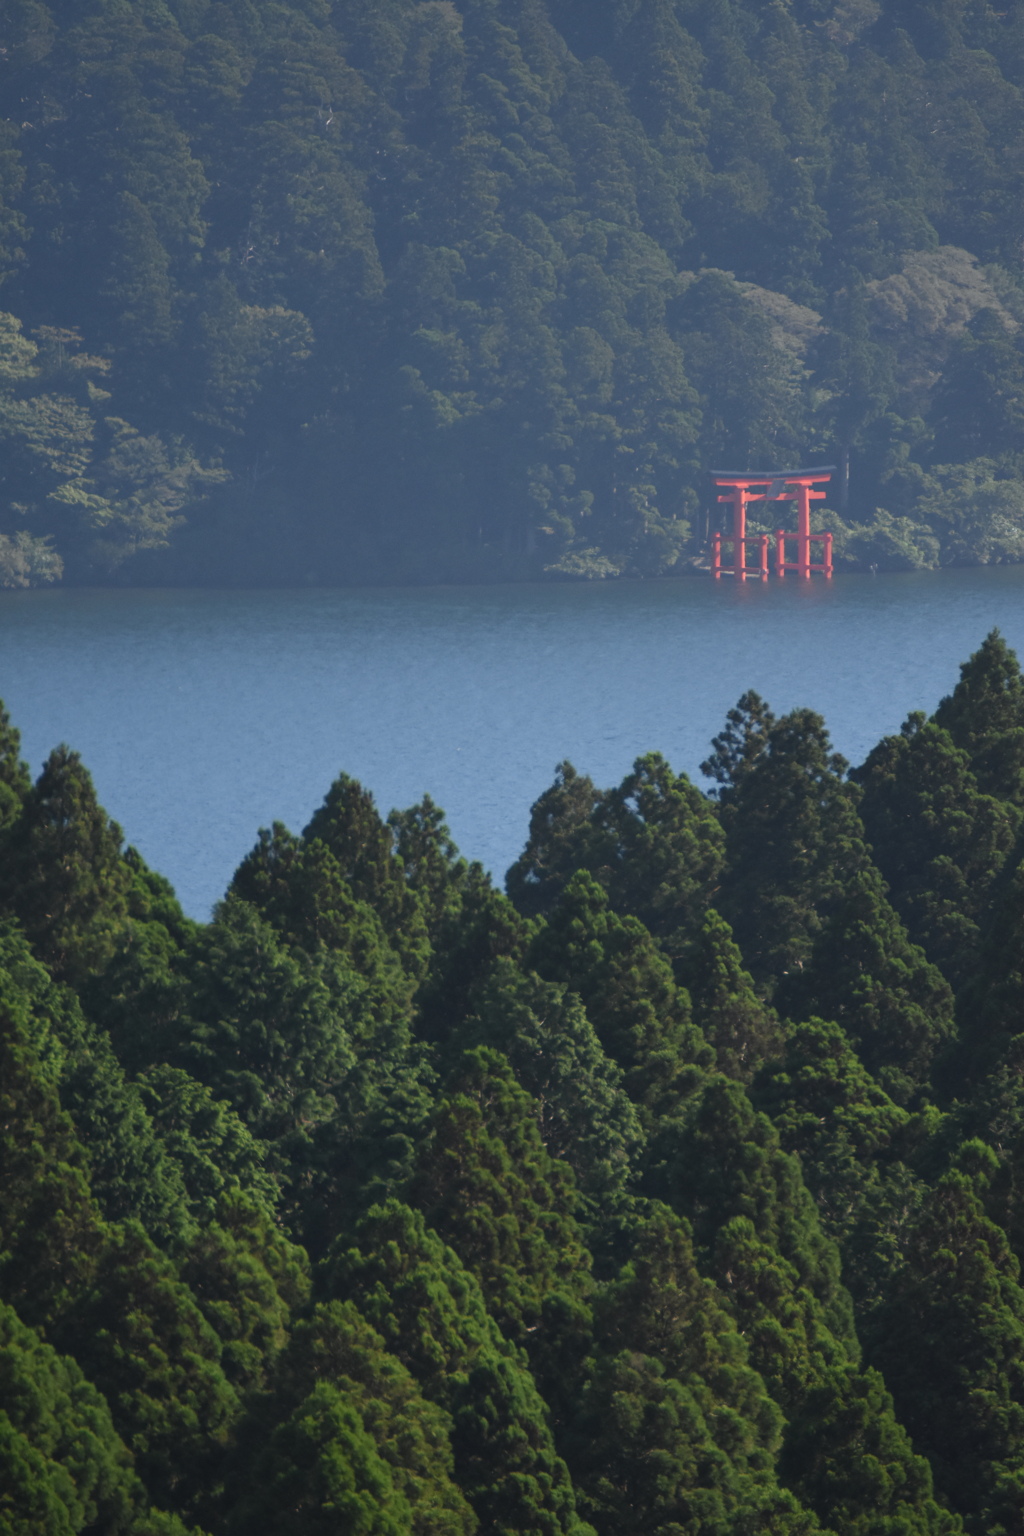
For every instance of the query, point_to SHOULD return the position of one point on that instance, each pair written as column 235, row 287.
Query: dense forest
column 348, row 290
column 679, row 1191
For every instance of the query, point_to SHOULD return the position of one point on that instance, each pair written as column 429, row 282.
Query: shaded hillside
column 420, row 289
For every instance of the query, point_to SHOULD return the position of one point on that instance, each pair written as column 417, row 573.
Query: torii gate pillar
column 739, row 495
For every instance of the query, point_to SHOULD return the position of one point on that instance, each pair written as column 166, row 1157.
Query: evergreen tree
column 64, row 877
column 15, row 780
column 477, row 932
column 432, row 1316
column 781, row 1275
column 561, row 834
column 829, row 1111
column 794, row 843
column 583, row 1111
column 65, row 1469
column 641, row 1017
column 301, row 888
column 674, row 1428
column 268, row 1032
column 487, row 1185
column 248, row 1281
column 337, row 1349
column 351, row 830
column 950, row 1334
column 139, row 1336
column 865, row 974
column 985, row 717
column 743, row 1030
column 937, row 840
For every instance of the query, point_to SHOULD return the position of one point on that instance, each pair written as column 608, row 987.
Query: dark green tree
column 985, row 717
column 431, row 1314
column 561, row 833
column 642, row 1018
column 336, row 1348
column 488, row 1187
column 938, row 841
column 794, row 843
column 950, row 1336
column 743, row 1030
column 351, row 829
column 583, row 1111
column 864, row 973
column 63, row 874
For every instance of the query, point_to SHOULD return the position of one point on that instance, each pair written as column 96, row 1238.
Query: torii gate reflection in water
column 783, row 485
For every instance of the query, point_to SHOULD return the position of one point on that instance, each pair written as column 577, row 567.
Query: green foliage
column 743, row 1030
column 518, row 274
column 794, row 840
column 864, row 973
column 337, row 1350
column 63, row 875
column 431, row 1315
column 583, row 1111
column 269, row 1032
column 138, row 1334
column 952, row 1329
column 938, row 841
column 829, row 1110
column 353, row 833
column 985, row 717
column 378, row 1204
column 641, row 1017
column 653, row 842
column 65, row 1470
column 488, row 1187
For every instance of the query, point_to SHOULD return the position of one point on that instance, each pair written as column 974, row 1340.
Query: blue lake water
column 204, row 715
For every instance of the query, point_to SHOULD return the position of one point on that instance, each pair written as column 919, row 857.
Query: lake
column 204, row 715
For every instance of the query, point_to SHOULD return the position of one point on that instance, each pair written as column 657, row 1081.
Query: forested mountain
column 680, row 1191
column 341, row 290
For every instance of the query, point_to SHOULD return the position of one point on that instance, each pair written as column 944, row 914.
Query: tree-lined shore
column 422, row 290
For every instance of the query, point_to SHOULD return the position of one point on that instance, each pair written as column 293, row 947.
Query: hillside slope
column 477, row 289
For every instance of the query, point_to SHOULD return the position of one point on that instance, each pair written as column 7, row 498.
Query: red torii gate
column 783, row 485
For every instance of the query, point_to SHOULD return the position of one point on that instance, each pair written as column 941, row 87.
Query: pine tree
column 561, row 835
column 270, row 1030
column 321, row 1471
column 301, row 888
column 583, row 1111
column 478, row 931
column 15, row 780
column 248, row 1281
column 350, row 828
column 489, row 1188
column 65, row 1469
column 674, row 1424
column 140, row 1338
column 829, row 1110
